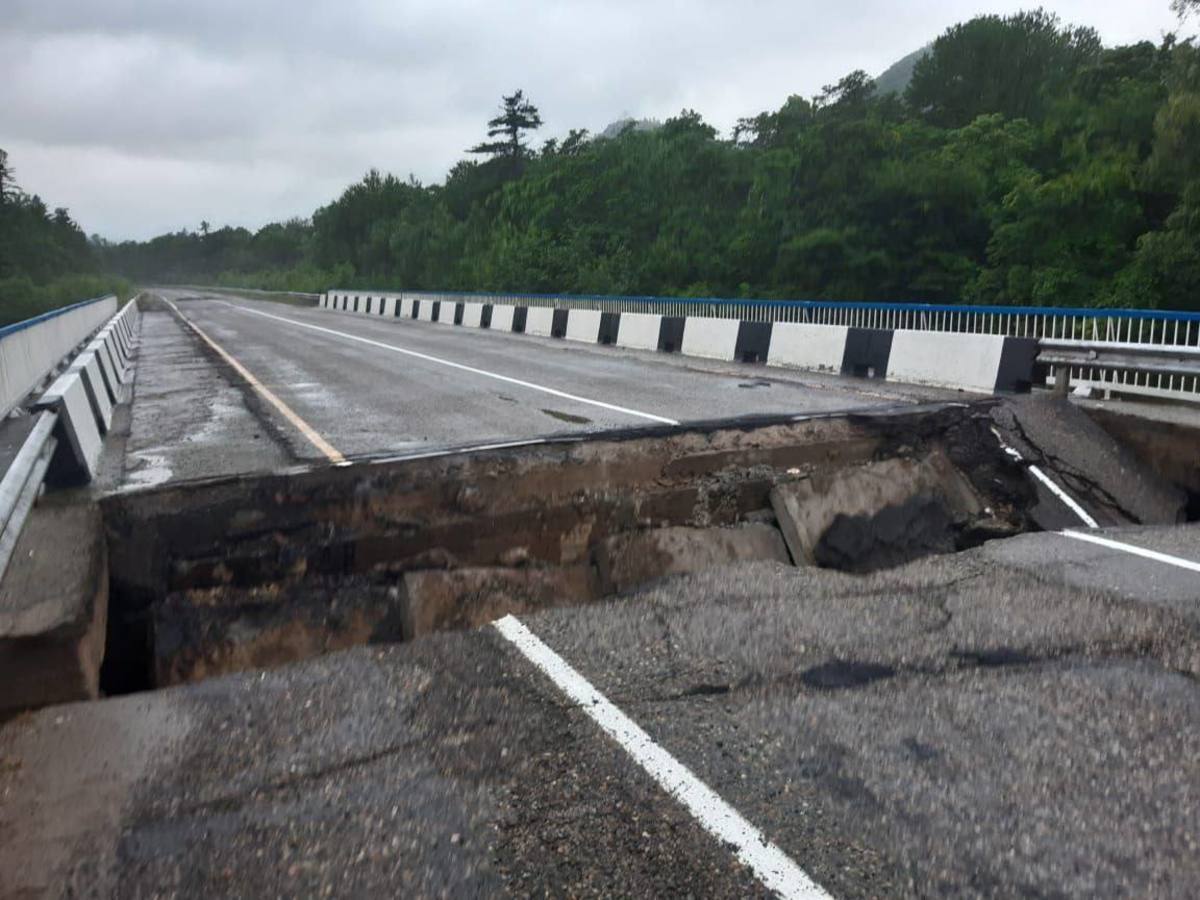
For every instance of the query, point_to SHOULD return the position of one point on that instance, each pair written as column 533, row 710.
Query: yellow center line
column 331, row 452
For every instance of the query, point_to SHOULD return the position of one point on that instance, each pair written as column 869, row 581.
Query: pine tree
column 8, row 187
column 517, row 115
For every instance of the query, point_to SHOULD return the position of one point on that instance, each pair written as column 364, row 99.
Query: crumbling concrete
column 879, row 514
column 1098, row 470
column 467, row 598
column 254, row 571
column 53, row 609
column 198, row 634
column 628, row 560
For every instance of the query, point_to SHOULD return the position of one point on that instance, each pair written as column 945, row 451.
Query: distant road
column 292, row 384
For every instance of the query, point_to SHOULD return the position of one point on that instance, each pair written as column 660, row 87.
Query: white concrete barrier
column 122, row 362
column 68, row 397
column 88, row 368
column 472, row 314
column 969, row 362
column 108, row 369
column 711, row 338
column 30, row 350
column 539, row 320
column 973, row 362
column 584, row 325
column 817, row 347
column 639, row 331
column 502, row 317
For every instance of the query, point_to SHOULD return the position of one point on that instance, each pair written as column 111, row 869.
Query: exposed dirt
column 248, row 572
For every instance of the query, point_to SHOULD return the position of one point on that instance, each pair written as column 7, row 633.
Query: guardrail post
column 1062, row 380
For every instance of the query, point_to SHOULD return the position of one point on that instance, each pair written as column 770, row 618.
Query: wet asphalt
column 970, row 725
column 1018, row 719
column 192, row 417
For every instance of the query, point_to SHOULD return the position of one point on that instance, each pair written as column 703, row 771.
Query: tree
column 517, row 116
column 8, row 187
column 1183, row 8
column 990, row 64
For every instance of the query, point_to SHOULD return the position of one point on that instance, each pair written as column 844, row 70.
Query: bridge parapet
column 1140, row 333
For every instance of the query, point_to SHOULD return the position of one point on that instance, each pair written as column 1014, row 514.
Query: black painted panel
column 867, row 352
column 485, row 316
column 458, row 313
column 753, row 342
column 670, row 334
column 519, row 316
column 1017, row 362
column 610, row 325
column 558, row 327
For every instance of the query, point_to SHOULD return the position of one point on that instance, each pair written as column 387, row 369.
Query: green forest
column 46, row 260
column 1023, row 163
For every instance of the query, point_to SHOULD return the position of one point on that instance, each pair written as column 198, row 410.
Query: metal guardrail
column 1134, row 329
column 1155, row 370
column 34, row 349
column 21, row 483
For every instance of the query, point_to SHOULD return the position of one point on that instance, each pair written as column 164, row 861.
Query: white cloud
column 145, row 115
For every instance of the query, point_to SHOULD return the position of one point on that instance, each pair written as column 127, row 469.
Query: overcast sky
column 145, row 116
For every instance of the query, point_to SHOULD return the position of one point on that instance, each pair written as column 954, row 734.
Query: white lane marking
column 1045, row 479
column 772, row 866
column 1134, row 549
column 465, row 368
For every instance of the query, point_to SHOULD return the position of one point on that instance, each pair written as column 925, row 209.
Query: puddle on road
column 151, row 469
column 567, row 417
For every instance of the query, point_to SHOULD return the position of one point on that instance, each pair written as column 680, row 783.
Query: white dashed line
column 771, row 866
column 1133, row 549
column 1054, row 488
column 460, row 366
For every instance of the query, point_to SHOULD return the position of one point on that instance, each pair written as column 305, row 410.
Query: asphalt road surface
column 1019, row 719
column 375, row 386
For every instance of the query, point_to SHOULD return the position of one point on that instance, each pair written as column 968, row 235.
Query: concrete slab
column 710, row 338
column 1102, row 474
column 539, row 321
column 584, row 325
column 472, row 314
column 628, row 560
column 53, row 609
column 639, row 331
column 439, row 600
column 877, row 514
column 804, row 346
column 502, row 317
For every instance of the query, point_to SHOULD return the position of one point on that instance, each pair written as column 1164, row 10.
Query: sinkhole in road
column 247, row 572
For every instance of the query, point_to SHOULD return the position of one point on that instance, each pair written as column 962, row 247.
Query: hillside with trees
column 45, row 258
column 1025, row 163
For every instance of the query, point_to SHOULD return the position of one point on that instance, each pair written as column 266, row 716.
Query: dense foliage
column 1024, row 164
column 45, row 258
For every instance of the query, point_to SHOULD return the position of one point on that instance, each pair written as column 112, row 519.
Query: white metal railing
column 1141, row 328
